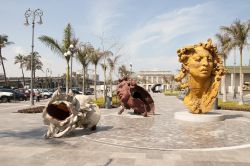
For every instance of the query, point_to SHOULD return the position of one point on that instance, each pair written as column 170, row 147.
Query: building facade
column 233, row 79
column 149, row 78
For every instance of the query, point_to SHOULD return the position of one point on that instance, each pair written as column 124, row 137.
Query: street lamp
column 130, row 68
column 47, row 81
column 32, row 14
column 69, row 56
column 72, row 50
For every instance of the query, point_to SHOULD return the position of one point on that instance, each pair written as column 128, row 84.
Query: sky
column 146, row 33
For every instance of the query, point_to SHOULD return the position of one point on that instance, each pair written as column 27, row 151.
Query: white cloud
column 104, row 16
column 161, row 29
column 19, row 50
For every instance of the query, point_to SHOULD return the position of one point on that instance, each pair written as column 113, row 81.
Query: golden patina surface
column 200, row 73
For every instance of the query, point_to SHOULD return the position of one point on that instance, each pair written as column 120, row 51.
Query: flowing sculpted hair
column 185, row 52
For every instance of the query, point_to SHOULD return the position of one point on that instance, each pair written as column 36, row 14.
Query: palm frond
column 52, row 44
column 20, row 59
column 4, row 41
column 68, row 32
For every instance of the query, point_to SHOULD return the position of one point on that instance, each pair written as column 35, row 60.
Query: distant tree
column 61, row 48
column 37, row 63
column 123, row 71
column 21, row 60
column 83, row 55
column 95, row 58
column 224, row 45
column 239, row 32
column 169, row 79
column 3, row 43
column 112, row 65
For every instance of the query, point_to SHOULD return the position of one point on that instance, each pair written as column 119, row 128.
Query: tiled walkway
column 128, row 140
column 163, row 132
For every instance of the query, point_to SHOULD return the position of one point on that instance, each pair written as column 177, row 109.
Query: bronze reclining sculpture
column 133, row 96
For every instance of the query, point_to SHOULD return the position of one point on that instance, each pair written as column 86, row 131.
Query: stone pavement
column 128, row 139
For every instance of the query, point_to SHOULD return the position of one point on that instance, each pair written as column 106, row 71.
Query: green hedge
column 100, row 101
column 171, row 93
column 232, row 105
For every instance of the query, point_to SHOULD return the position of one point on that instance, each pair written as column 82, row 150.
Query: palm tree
column 3, row 43
column 83, row 56
column 239, row 32
column 95, row 58
column 61, row 48
column 106, row 54
column 21, row 60
column 104, row 68
column 224, row 47
column 112, row 64
column 123, row 71
column 37, row 63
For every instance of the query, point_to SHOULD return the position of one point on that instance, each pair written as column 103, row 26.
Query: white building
column 149, row 78
column 233, row 79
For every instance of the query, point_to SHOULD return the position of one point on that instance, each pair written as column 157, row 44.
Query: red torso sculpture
column 133, row 96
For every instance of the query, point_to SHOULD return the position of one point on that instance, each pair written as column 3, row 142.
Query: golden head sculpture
column 202, row 67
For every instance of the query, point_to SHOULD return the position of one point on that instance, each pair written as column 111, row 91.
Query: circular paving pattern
column 164, row 132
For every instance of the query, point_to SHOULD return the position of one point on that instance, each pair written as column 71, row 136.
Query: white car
column 6, row 96
column 46, row 94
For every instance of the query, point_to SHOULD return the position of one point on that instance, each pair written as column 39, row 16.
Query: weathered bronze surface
column 133, row 96
column 200, row 73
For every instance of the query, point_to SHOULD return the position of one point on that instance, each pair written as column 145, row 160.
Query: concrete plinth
column 208, row 117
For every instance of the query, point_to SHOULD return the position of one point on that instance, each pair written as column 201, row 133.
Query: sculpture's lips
column 204, row 70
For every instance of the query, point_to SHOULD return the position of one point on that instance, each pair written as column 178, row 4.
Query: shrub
column 100, row 101
column 171, row 93
column 232, row 105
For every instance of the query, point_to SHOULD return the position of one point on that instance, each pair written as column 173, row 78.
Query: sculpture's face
column 200, row 64
column 123, row 91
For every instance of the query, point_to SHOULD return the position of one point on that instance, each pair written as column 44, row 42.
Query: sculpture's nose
column 204, row 61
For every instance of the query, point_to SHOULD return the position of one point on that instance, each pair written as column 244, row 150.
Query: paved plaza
column 128, row 139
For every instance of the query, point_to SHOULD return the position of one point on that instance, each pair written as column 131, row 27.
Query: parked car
column 46, row 93
column 28, row 92
column 19, row 95
column 75, row 91
column 16, row 95
column 5, row 96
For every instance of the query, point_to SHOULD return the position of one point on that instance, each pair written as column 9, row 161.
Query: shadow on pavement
column 32, row 134
column 81, row 132
column 232, row 116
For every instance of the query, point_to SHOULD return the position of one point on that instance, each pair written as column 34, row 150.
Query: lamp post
column 67, row 56
column 72, row 50
column 130, row 68
column 32, row 14
column 47, row 81
column 51, row 79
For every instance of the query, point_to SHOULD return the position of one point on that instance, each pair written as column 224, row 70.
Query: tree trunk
column 105, row 84
column 3, row 66
column 95, row 83
column 67, row 77
column 23, row 78
column 83, row 80
column 34, row 78
column 234, row 77
column 224, row 90
column 86, row 78
column 111, row 80
column 241, row 80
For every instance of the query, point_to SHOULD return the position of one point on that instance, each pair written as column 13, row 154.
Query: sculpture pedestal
column 208, row 117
